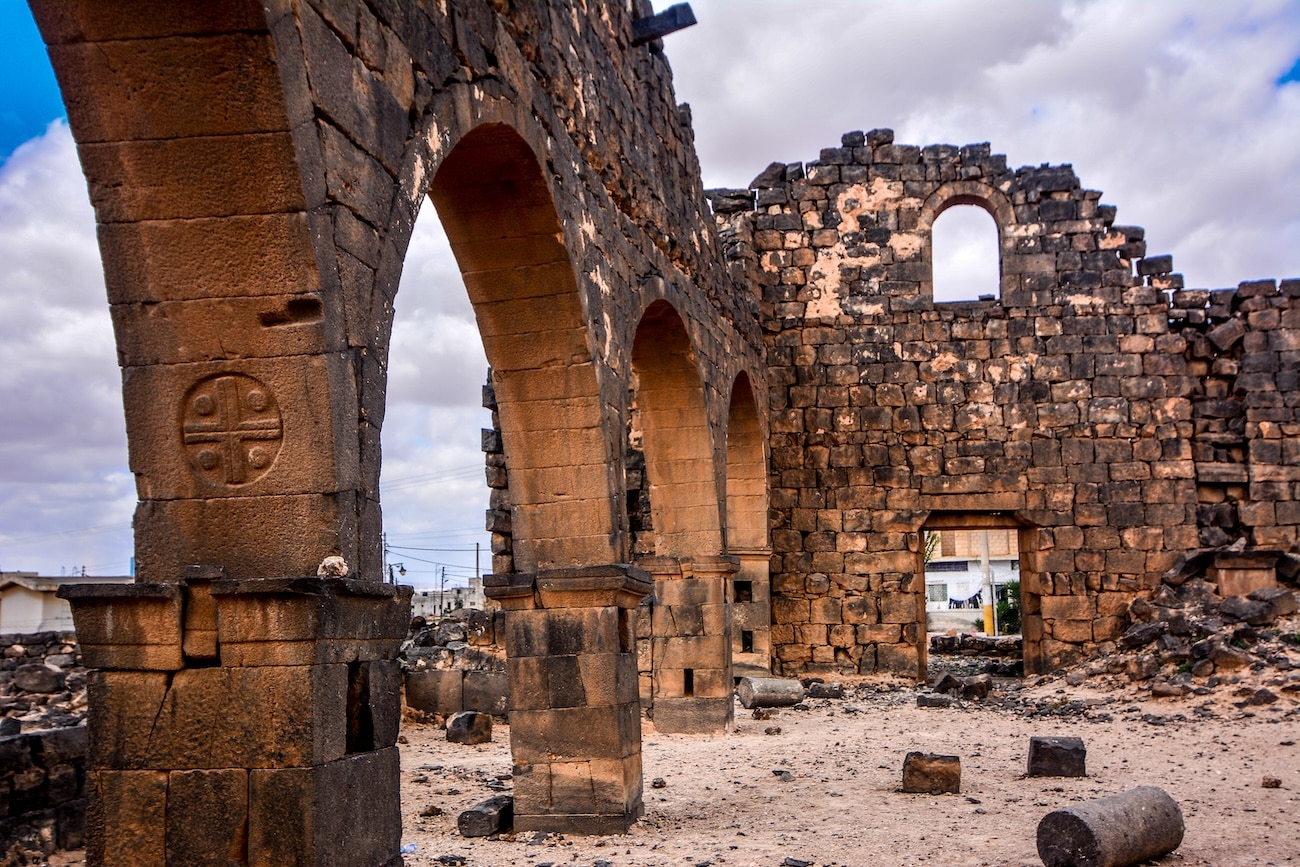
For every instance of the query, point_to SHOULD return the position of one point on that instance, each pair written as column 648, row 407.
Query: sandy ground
column 723, row 803
column 724, row 800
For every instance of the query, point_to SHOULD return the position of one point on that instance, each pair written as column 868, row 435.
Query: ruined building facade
column 1114, row 418
column 717, row 443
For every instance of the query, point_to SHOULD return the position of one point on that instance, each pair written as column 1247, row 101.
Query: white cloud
column 66, row 497
column 1169, row 107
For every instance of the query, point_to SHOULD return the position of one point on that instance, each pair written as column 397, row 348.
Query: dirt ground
column 724, row 801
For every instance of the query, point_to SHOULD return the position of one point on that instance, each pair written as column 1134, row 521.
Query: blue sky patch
column 31, row 95
column 1292, row 74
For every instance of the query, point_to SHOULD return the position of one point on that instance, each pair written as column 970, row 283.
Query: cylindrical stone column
column 1115, row 831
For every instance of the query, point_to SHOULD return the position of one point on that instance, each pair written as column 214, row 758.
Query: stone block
column 178, row 260
column 270, row 716
column 693, row 715
column 488, row 692
column 193, row 177
column 340, row 812
column 128, row 626
column 435, row 691
column 302, row 621
column 291, row 534
column 930, row 773
column 206, row 815
column 126, row 820
column 1057, row 757
column 469, row 727
column 249, row 429
column 565, row 734
column 562, row 632
column 493, row 816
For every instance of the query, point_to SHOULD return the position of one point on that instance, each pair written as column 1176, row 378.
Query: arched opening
column 689, row 681
column 503, row 229
column 747, row 537
column 431, row 481
column 965, row 254
column 674, row 430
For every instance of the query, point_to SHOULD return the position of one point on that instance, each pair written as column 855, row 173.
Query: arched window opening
column 431, row 480
column 965, row 255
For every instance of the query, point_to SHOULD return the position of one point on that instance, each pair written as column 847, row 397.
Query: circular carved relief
column 231, row 428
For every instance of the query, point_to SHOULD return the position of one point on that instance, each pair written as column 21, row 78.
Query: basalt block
column 1057, row 757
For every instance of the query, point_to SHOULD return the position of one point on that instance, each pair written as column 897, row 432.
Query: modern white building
column 954, row 575
column 28, row 603
column 432, row 604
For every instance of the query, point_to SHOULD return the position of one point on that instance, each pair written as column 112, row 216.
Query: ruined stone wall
column 42, row 793
column 1077, row 405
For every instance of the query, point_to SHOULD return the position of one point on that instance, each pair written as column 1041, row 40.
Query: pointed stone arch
column 501, row 221
column 747, row 533
column 676, row 435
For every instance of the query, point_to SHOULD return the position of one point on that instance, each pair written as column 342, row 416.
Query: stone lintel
column 305, row 621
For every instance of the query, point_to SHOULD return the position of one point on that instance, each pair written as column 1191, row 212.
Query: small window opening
column 746, row 641
column 361, row 726
column 688, row 682
column 744, row 591
column 965, row 255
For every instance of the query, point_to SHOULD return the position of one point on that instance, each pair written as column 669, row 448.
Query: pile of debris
column 1187, row 637
column 42, row 682
column 466, row 639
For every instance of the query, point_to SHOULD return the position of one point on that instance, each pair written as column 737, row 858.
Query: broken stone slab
column 1142, row 634
column 493, row 816
column 974, row 688
column 826, row 690
column 930, row 699
column 1280, row 602
column 1245, row 609
column 1115, row 831
column 930, row 773
column 769, row 692
column 469, row 727
column 1057, row 757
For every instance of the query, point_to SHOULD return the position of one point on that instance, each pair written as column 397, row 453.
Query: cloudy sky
column 1185, row 115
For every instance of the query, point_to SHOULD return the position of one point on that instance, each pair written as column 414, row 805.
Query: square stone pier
column 575, row 718
column 243, row 722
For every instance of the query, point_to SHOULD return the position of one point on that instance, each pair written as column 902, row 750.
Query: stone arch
column 501, row 221
column 192, row 147
column 676, row 435
column 690, row 680
column 746, row 470
column 747, row 533
column 974, row 193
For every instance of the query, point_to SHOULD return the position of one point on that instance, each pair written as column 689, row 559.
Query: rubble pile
column 42, row 682
column 465, row 639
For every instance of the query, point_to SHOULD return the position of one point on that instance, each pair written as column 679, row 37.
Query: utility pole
column 990, row 603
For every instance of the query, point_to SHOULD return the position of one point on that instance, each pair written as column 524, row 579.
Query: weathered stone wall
column 42, row 745
column 42, row 679
column 1078, row 405
column 42, row 793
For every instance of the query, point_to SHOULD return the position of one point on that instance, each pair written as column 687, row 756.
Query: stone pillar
column 691, row 643
column 575, row 720
column 249, row 722
column 751, row 614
